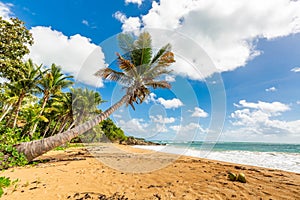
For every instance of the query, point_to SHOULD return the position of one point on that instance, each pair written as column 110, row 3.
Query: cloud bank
column 226, row 30
column 262, row 119
column 77, row 55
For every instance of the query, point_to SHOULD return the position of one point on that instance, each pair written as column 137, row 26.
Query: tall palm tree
column 24, row 84
column 84, row 103
column 8, row 99
column 62, row 107
column 52, row 82
column 139, row 72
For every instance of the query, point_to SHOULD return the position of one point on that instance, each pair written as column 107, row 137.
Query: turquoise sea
column 239, row 146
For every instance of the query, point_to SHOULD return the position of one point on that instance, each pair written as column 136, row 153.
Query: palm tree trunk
column 45, row 99
column 72, row 124
column 63, row 125
column 47, row 128
column 6, row 112
column 36, row 148
column 55, row 126
column 18, row 109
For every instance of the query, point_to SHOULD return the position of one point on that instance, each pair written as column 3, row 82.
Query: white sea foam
column 275, row 160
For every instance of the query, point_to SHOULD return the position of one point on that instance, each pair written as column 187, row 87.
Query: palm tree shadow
column 66, row 155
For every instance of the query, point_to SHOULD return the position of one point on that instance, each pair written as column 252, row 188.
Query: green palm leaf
column 142, row 52
column 164, row 49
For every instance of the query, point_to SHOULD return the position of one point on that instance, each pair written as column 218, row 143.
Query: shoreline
column 270, row 160
column 75, row 173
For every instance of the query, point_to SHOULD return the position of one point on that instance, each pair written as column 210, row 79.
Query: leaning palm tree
column 140, row 70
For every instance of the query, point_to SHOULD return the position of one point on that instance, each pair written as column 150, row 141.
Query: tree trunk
column 45, row 99
column 36, row 148
column 63, row 125
column 18, row 109
column 6, row 112
column 73, row 123
column 55, row 126
column 47, row 128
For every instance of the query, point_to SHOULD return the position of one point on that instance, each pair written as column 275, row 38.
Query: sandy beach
column 109, row 171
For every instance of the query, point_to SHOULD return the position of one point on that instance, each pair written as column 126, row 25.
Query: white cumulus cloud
column 138, row 2
column 171, row 103
column 167, row 103
column 5, row 11
column 189, row 129
column 170, row 78
column 274, row 108
column 131, row 24
column 296, row 69
column 85, row 22
column 151, row 98
column 141, row 128
column 271, row 89
column 260, row 118
column 77, row 55
column 198, row 112
column 226, row 30
column 134, row 126
column 162, row 120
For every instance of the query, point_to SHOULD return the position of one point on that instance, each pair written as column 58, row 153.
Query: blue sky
column 237, row 62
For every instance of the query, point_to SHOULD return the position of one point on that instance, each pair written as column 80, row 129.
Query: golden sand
column 122, row 172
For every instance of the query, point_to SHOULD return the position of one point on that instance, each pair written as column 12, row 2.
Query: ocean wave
column 275, row 160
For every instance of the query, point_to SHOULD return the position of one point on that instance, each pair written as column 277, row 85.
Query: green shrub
column 12, row 136
column 9, row 156
column 4, row 182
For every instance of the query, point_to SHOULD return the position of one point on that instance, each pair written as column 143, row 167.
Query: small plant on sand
column 6, row 182
column 60, row 148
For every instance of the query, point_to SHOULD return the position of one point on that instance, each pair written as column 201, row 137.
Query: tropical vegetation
column 39, row 108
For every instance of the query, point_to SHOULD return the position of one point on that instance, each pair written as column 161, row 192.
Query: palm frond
column 128, row 67
column 157, row 72
column 158, row 84
column 164, row 49
column 142, row 52
column 126, row 42
column 137, row 95
column 110, row 74
column 166, row 59
column 125, row 64
column 160, row 66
